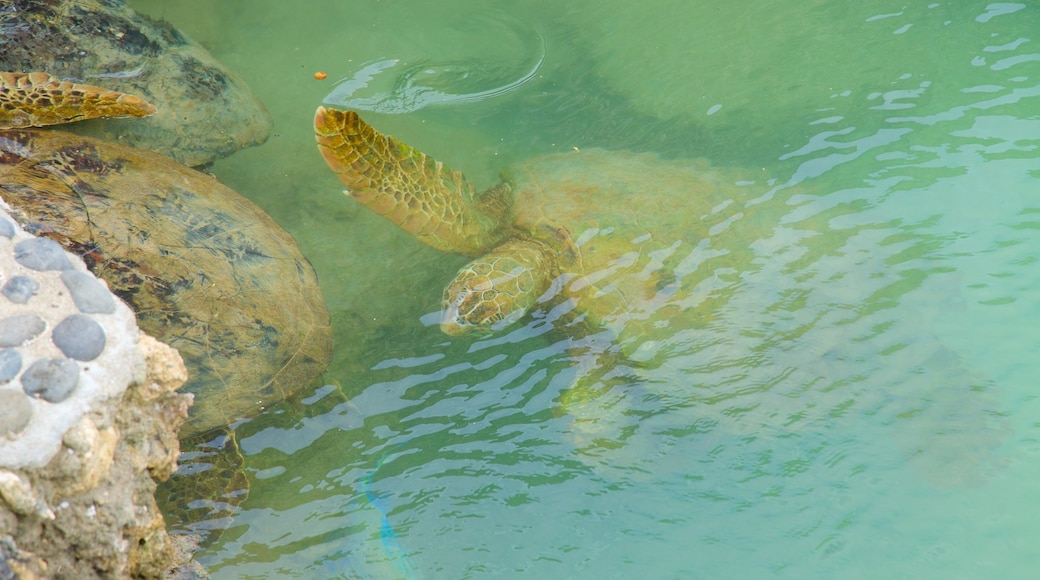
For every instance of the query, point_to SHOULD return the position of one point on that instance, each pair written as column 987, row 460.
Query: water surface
column 848, row 394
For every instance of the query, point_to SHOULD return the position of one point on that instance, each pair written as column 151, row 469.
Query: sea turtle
column 205, row 111
column 662, row 270
column 204, row 269
column 555, row 231
column 555, row 228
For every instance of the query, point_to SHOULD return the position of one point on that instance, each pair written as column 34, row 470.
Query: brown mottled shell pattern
column 205, row 111
column 205, row 269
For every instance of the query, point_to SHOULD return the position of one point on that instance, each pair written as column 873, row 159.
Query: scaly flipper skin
column 37, row 99
column 417, row 193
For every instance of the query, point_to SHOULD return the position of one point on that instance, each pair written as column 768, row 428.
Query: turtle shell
column 205, row 111
column 689, row 231
column 206, row 270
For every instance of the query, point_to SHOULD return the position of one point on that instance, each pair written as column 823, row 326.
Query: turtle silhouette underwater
column 675, row 272
column 555, row 228
column 205, row 111
column 204, row 269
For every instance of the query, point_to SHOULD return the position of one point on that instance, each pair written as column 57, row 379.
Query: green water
column 860, row 405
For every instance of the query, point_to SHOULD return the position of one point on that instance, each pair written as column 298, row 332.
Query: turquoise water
column 857, row 402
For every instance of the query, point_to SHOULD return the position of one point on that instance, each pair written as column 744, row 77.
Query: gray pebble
column 15, row 412
column 88, row 293
column 51, row 379
column 10, row 364
column 20, row 289
column 79, row 337
column 6, row 229
column 20, row 329
column 41, row 254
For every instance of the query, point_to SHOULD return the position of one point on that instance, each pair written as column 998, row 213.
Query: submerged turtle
column 205, row 270
column 687, row 267
column 556, row 228
column 205, row 111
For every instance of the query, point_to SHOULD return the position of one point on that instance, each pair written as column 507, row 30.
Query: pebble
column 20, row 289
column 89, row 294
column 19, row 329
column 51, row 379
column 10, row 364
column 41, row 254
column 79, row 337
column 54, row 317
column 15, row 412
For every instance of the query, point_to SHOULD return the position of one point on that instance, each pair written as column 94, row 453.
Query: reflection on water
column 825, row 373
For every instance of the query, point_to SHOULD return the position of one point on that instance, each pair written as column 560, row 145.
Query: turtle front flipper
column 38, row 99
column 417, row 193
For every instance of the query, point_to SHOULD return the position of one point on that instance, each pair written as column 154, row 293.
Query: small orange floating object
column 320, row 75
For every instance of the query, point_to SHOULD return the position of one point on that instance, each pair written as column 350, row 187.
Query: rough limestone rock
column 88, row 422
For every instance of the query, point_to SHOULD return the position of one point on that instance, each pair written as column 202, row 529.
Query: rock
column 15, row 563
column 94, row 450
column 55, row 350
column 41, row 254
column 78, row 464
column 19, row 495
column 20, row 288
column 15, row 413
column 90, row 294
column 19, row 329
column 90, row 512
column 51, row 379
column 79, row 337
column 10, row 364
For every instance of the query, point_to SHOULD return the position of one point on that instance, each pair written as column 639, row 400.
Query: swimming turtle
column 205, row 270
column 659, row 270
column 556, row 230
column 559, row 218
column 205, row 111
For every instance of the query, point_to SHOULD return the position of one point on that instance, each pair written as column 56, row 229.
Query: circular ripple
column 391, row 87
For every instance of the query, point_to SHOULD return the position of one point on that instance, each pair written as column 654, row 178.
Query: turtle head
column 497, row 289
